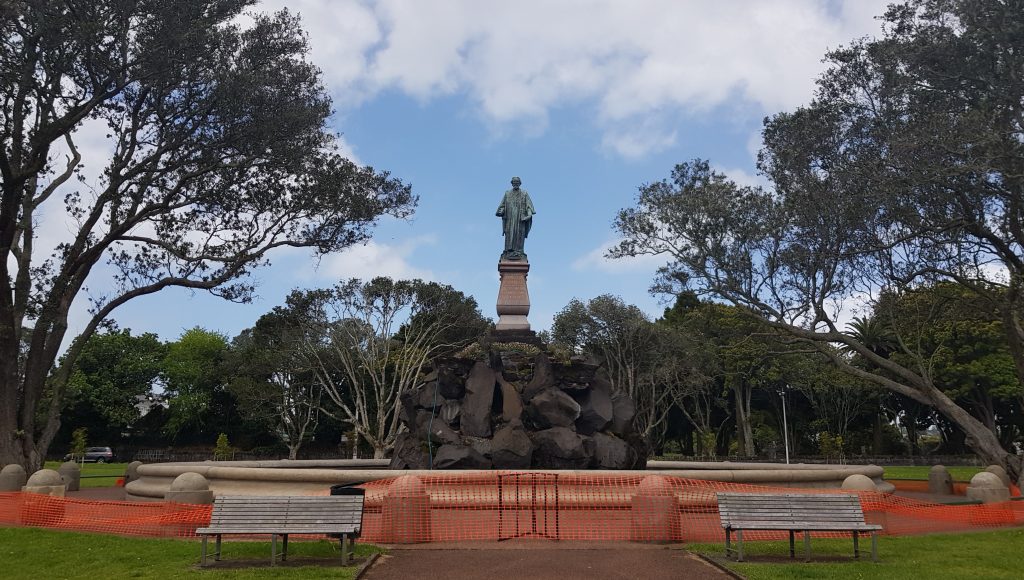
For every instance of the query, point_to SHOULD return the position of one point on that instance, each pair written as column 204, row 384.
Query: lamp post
column 785, row 427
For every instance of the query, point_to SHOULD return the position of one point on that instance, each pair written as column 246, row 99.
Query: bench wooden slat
column 340, row 515
column 794, row 513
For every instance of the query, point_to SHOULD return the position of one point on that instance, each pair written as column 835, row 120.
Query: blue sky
column 585, row 100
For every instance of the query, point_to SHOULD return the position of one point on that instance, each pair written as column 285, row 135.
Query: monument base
column 524, row 336
column 513, row 296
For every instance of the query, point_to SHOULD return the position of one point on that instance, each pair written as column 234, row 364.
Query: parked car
column 97, row 454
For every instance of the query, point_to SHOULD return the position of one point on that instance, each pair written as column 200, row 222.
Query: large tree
column 114, row 374
column 634, row 351
column 272, row 379
column 218, row 153
column 906, row 168
column 368, row 343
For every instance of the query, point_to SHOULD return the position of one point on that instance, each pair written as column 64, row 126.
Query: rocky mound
column 516, row 406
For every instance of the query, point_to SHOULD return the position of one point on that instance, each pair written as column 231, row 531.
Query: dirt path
column 541, row 561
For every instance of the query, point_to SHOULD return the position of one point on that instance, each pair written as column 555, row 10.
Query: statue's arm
column 501, row 208
column 529, row 210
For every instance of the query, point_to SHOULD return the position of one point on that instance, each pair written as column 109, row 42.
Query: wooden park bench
column 335, row 515
column 794, row 512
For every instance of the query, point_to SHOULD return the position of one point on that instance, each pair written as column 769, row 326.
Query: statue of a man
column 516, row 213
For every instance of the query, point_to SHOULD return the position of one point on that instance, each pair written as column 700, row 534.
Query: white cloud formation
column 373, row 259
column 596, row 260
column 635, row 64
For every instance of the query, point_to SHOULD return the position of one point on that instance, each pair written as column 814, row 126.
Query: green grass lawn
column 38, row 553
column 959, row 472
column 989, row 555
column 109, row 471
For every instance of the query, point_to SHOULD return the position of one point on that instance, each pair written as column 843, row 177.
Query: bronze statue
column 516, row 213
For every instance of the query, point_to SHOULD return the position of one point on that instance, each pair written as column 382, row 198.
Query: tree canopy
column 219, row 153
column 904, row 170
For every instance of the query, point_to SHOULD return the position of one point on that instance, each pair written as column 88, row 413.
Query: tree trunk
column 744, row 431
column 293, row 451
column 980, row 438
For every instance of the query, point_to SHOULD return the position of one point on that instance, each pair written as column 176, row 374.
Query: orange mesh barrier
column 115, row 517
column 506, row 505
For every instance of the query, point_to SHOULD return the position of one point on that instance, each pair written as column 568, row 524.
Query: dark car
column 97, row 454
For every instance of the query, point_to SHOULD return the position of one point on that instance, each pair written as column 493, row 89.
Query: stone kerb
column 71, row 474
column 12, row 478
column 986, row 487
column 940, row 482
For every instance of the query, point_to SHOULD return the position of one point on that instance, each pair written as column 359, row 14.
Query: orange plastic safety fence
column 114, row 517
column 506, row 505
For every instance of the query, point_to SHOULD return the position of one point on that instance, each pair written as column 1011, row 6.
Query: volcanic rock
column 476, row 406
column 511, row 447
column 553, row 408
column 460, row 457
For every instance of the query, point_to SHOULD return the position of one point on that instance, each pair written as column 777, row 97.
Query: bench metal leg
column 739, row 545
column 216, row 551
column 273, row 549
column 346, row 550
column 728, row 542
column 856, row 546
column 807, row 546
column 202, row 555
column 874, row 547
column 792, row 544
column 284, row 548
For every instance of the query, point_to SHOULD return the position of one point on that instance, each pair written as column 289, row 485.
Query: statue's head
column 516, row 182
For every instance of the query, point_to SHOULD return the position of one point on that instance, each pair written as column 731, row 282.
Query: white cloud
column 635, row 64
column 596, row 260
column 374, row 259
column 743, row 177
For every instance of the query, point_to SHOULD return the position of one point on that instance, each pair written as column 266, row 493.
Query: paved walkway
column 539, row 560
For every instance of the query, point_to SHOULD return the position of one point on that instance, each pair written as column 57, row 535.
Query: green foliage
column 78, row 443
column 516, row 347
column 114, row 372
column 223, row 450
column 194, row 377
column 830, row 446
column 903, row 171
column 473, row 351
column 225, row 153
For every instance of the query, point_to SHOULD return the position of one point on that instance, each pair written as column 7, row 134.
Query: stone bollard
column 406, row 512
column 999, row 472
column 131, row 473
column 38, row 508
column 71, row 474
column 940, row 482
column 45, row 482
column 859, row 482
column 987, row 488
column 12, row 478
column 654, row 511
column 189, row 488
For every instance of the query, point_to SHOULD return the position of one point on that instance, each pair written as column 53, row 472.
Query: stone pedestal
column 513, row 297
column 71, row 474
